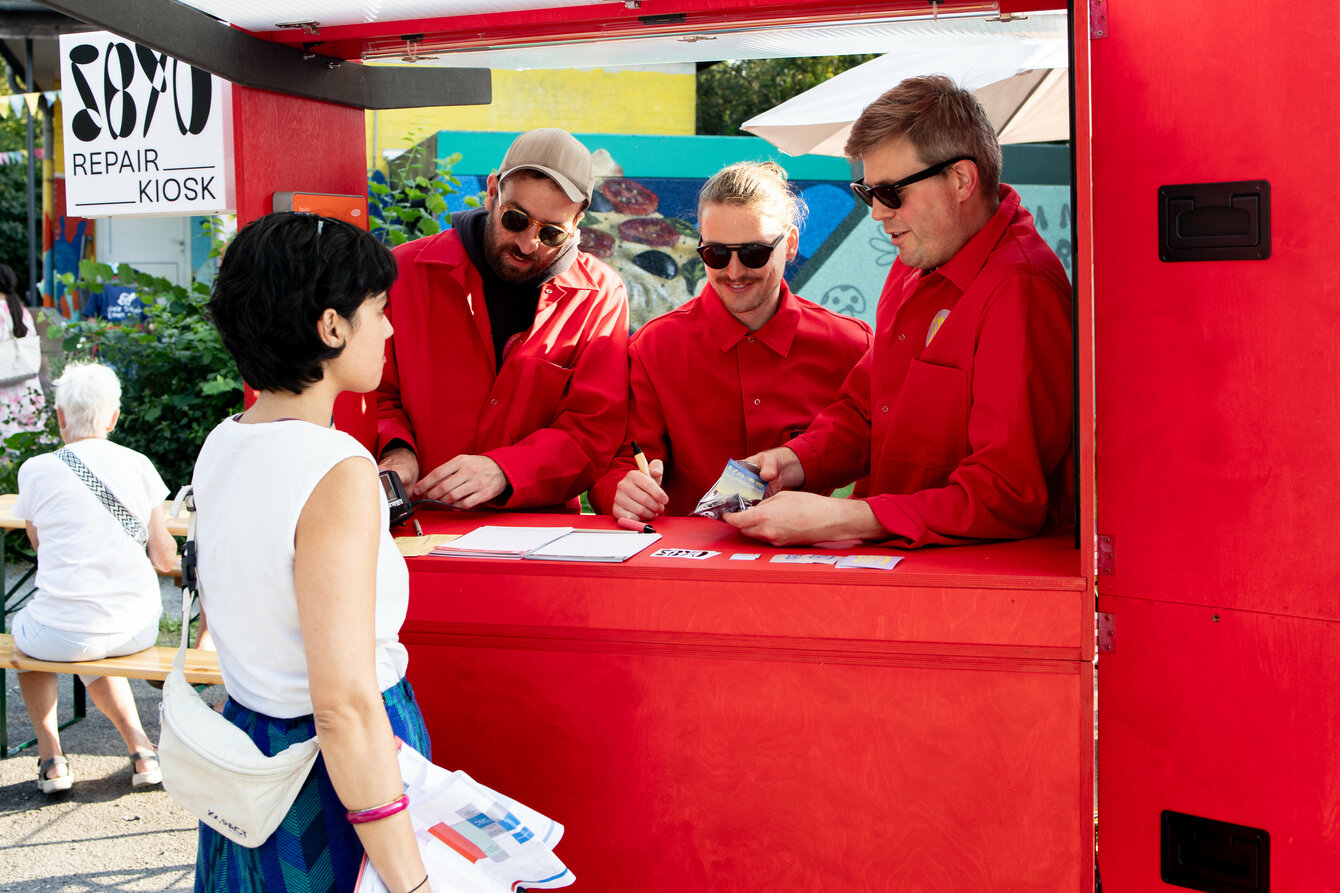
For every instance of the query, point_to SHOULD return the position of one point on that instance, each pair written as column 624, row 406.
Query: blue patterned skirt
column 314, row 850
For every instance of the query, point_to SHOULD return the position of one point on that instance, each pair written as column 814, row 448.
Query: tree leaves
column 732, row 92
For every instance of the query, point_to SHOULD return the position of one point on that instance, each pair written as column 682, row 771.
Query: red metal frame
column 1217, row 444
column 994, row 644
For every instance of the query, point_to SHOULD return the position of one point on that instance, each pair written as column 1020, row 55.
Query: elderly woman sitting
column 97, row 594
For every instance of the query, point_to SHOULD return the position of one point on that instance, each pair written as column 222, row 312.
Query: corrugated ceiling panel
column 771, row 43
column 265, row 15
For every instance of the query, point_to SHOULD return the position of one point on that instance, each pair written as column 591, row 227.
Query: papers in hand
column 547, row 544
column 473, row 839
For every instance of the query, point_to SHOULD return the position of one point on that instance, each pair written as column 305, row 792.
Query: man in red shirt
column 961, row 412
column 742, row 367
column 506, row 381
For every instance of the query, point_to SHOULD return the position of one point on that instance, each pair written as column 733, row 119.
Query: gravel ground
column 100, row 835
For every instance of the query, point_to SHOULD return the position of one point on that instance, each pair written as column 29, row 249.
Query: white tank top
column 251, row 484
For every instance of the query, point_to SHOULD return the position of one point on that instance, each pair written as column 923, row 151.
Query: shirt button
column 493, row 401
column 902, row 337
column 757, row 401
column 884, row 408
column 750, row 339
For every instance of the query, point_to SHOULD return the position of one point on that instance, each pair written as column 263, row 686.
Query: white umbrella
column 1022, row 83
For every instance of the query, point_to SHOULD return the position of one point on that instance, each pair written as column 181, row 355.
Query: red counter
column 740, row 725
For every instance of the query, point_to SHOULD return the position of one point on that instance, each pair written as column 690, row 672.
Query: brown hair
column 940, row 120
column 749, row 184
column 9, row 284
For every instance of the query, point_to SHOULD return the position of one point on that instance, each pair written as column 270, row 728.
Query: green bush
column 177, row 381
column 412, row 204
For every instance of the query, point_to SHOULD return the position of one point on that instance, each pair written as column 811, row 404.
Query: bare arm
column 31, row 531
column 335, row 577
column 162, row 547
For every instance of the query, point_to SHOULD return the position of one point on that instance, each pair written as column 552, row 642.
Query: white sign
column 145, row 134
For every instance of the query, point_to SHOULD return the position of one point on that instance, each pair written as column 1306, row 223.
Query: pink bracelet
column 377, row 813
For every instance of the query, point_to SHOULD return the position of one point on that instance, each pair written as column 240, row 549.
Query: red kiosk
column 738, row 726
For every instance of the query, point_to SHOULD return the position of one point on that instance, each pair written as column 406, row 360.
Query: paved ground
column 101, row 835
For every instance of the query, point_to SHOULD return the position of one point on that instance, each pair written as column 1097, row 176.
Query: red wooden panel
column 950, row 608
column 676, row 772
column 1218, row 427
column 728, row 725
column 1235, row 721
column 286, row 143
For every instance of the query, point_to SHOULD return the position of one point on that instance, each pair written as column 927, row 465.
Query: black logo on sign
column 191, row 91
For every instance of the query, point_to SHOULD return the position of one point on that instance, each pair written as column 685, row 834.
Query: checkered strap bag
column 134, row 529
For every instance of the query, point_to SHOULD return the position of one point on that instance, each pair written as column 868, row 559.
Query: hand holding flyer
column 473, row 839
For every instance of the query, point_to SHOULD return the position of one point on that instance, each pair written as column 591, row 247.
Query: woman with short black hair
column 304, row 586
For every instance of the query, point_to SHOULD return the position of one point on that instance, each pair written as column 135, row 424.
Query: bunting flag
column 15, row 102
column 17, row 156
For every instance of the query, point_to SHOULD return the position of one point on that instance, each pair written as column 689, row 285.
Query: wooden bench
column 202, row 668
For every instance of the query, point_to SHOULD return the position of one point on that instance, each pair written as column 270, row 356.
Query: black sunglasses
column 752, row 254
column 551, row 236
column 888, row 193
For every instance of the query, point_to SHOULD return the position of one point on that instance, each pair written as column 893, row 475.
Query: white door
column 160, row 246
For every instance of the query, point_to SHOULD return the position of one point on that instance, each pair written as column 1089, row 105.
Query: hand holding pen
column 639, row 496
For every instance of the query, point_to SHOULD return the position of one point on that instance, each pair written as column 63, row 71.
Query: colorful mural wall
column 642, row 220
column 656, row 99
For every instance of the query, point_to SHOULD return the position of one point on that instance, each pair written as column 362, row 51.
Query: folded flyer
column 473, row 839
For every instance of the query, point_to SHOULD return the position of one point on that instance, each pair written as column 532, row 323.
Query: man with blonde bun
column 742, row 367
column 961, row 412
column 506, row 380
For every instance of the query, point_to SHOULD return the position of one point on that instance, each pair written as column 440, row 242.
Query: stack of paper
column 595, row 545
column 547, row 544
column 493, row 541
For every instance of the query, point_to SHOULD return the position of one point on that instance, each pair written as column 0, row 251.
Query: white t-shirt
column 91, row 576
column 251, row 484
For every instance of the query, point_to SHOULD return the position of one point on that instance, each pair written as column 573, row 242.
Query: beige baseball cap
column 558, row 155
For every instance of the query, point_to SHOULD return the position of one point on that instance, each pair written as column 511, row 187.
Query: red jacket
column 965, row 428
column 551, row 417
column 705, row 389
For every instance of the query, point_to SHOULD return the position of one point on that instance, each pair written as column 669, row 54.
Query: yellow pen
column 640, row 458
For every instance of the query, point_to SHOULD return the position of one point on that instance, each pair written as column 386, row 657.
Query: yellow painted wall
column 598, row 101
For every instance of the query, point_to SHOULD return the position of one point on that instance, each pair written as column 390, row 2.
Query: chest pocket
column 928, row 425
column 534, row 390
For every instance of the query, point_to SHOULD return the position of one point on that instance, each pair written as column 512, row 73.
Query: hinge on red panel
column 1097, row 19
column 1107, row 554
column 1105, row 633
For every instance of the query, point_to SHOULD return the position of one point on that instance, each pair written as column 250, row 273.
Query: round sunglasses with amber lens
column 551, row 236
column 752, row 254
column 888, row 192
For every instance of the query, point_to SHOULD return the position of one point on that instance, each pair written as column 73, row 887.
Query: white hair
column 90, row 395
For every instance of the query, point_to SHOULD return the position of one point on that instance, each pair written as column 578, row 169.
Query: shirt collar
column 726, row 331
column 963, row 267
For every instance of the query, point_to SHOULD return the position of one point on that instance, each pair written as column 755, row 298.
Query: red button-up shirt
column 551, row 416
column 705, row 389
column 962, row 409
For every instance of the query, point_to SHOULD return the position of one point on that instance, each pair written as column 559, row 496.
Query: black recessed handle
column 1215, row 221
